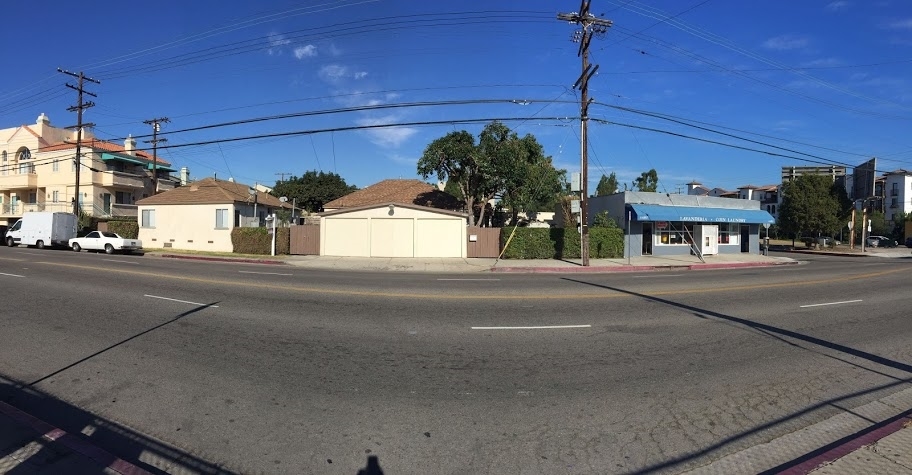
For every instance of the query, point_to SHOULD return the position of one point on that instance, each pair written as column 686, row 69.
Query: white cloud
column 905, row 24
column 838, row 5
column 389, row 137
column 402, row 159
column 360, row 74
column 785, row 42
column 333, row 72
column 334, row 50
column 391, row 96
column 276, row 42
column 308, row 51
column 823, row 63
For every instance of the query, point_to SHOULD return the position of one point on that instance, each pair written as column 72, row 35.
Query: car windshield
column 109, row 235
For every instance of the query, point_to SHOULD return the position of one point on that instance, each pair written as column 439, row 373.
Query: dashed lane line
column 181, row 301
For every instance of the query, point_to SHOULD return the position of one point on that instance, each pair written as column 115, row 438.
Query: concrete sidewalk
column 31, row 446
column 473, row 265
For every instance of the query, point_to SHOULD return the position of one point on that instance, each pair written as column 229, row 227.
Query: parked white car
column 105, row 241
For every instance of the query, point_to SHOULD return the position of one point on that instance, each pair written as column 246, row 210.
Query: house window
column 55, row 166
column 4, row 163
column 148, row 218
column 55, row 196
column 221, row 219
column 675, row 233
column 22, row 157
column 33, row 198
column 122, row 197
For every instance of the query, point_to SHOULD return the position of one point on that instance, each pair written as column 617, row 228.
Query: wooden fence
column 305, row 239
column 483, row 242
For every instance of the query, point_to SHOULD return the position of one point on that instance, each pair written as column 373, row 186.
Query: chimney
column 184, row 176
column 43, row 119
column 130, row 145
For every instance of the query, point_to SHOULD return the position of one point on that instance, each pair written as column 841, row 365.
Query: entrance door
column 647, row 239
column 745, row 238
column 106, row 202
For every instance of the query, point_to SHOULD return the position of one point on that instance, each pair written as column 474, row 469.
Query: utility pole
column 156, row 126
column 589, row 25
column 281, row 175
column 78, row 108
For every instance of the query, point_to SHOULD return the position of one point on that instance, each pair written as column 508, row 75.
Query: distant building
column 767, row 195
column 837, row 173
column 898, row 198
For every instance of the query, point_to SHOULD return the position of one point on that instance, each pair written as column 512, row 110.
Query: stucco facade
column 393, row 230
column 38, row 173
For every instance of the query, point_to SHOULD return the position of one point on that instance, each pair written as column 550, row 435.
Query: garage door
column 439, row 238
column 392, row 237
column 347, row 237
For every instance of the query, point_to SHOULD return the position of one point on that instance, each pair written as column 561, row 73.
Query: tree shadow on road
column 143, row 451
column 780, row 334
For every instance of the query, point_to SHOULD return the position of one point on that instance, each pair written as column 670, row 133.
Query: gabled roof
column 400, row 205
column 29, row 130
column 211, row 191
column 103, row 145
column 400, row 191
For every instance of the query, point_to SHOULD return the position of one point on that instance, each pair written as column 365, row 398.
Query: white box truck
column 43, row 229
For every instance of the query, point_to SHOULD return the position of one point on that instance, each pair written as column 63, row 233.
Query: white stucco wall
column 402, row 232
column 187, row 227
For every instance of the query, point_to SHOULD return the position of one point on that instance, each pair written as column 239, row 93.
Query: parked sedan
column 880, row 241
column 105, row 241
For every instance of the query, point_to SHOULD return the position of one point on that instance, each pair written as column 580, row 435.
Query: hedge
column 259, row 241
column 561, row 243
column 126, row 229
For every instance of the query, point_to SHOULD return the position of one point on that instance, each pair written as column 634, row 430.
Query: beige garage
column 393, row 230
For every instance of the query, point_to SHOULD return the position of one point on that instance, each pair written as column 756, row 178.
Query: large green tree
column 607, row 185
column 647, row 181
column 813, row 205
column 534, row 185
column 497, row 165
column 313, row 189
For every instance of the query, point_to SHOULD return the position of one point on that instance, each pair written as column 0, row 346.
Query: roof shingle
column 211, row 191
column 408, row 191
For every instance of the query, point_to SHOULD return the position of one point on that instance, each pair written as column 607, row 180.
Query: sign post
column 766, row 240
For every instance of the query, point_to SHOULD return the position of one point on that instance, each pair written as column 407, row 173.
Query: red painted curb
column 845, row 449
column 222, row 259
column 75, row 444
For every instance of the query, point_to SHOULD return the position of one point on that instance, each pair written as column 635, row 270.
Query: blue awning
column 699, row 214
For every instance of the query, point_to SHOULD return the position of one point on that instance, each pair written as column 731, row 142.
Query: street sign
column 851, row 225
column 576, row 182
column 766, row 225
column 575, row 206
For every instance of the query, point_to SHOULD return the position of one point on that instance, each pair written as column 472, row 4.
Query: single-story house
column 201, row 215
column 662, row 224
column 394, row 218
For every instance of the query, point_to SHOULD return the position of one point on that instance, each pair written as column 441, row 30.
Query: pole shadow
column 779, row 334
column 119, row 441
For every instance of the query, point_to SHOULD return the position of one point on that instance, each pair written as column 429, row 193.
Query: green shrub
column 561, row 243
column 259, row 241
column 126, row 229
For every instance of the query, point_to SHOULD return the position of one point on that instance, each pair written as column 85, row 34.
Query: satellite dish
column 283, row 199
column 251, row 191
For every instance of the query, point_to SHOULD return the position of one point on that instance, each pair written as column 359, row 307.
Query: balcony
column 122, row 180
column 18, row 180
column 114, row 210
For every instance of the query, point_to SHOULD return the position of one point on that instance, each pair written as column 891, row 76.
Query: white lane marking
column 118, row 260
column 181, row 301
column 11, row 275
column 545, row 327
column 652, row 276
column 829, row 303
column 263, row 273
column 486, row 280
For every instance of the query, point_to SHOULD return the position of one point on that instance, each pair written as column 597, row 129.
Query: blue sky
column 828, row 80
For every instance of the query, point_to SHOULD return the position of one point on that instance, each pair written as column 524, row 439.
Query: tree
column 498, row 164
column 607, row 185
column 812, row 204
column 647, row 181
column 452, row 188
column 534, row 185
column 313, row 189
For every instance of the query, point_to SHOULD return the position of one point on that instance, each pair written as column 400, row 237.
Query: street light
column 272, row 219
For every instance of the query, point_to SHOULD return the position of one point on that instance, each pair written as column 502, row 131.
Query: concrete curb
column 825, row 253
column 222, row 259
column 73, row 443
column 623, row 268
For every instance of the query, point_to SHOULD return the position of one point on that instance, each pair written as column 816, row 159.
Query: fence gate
column 483, row 242
column 305, row 239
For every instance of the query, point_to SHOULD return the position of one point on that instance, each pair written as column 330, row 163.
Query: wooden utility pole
column 589, row 25
column 281, row 175
column 78, row 108
column 156, row 126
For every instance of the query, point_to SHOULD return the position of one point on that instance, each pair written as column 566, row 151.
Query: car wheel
column 10, row 242
column 39, row 244
column 76, row 247
column 109, row 249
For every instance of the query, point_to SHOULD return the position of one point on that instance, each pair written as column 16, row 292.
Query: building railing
column 122, row 179
column 19, row 180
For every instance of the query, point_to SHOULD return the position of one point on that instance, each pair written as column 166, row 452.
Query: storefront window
column 729, row 233
column 675, row 234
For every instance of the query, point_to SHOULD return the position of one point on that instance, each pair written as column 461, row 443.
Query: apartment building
column 767, row 195
column 38, row 172
column 897, row 186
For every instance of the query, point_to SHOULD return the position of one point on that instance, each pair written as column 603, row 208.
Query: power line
column 78, row 108
column 156, row 126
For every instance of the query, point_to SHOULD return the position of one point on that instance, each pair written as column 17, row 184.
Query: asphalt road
column 278, row 369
